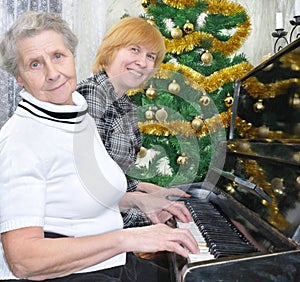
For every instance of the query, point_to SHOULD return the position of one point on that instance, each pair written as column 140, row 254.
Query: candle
column 297, row 7
column 279, row 21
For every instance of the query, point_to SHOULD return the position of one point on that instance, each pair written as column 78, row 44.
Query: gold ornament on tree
column 258, row 107
column 204, row 100
column 183, row 159
column 142, row 153
column 174, row 87
column 161, row 115
column 263, row 131
column 176, row 33
column 206, row 57
column 149, row 114
column 188, row 27
column 228, row 101
column 197, row 123
column 145, row 4
column 151, row 92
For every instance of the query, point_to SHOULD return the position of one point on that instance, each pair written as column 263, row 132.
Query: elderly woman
column 60, row 192
column 128, row 55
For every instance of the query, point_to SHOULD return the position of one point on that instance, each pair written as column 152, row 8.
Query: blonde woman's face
column 47, row 68
column 132, row 65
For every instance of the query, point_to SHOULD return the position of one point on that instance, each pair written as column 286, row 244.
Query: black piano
column 247, row 211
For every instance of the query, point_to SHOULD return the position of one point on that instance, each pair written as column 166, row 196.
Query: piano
column 247, row 211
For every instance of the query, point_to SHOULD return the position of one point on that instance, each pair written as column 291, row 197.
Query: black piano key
column 222, row 237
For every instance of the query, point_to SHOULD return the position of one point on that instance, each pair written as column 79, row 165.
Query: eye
column 58, row 56
column 135, row 49
column 34, row 65
column 151, row 57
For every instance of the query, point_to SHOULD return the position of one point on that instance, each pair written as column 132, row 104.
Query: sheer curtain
column 9, row 11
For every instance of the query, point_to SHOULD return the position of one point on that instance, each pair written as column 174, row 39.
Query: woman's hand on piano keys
column 160, row 237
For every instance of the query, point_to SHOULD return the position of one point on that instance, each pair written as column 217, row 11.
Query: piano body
column 248, row 209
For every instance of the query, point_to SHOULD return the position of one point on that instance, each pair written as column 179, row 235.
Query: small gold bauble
column 204, row 100
column 277, row 185
column 142, row 153
column 149, row 114
column 296, row 157
column 176, row 33
column 151, row 92
column 145, row 3
column 258, row 107
column 228, row 101
column 174, row 87
column 188, row 27
column 197, row 123
column 295, row 101
column 206, row 57
column 243, row 146
column 161, row 115
column 263, row 131
column 298, row 181
column 183, row 159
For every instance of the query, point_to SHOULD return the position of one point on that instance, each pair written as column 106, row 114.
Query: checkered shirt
column 117, row 125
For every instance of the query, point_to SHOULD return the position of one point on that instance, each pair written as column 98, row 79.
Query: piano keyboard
column 216, row 236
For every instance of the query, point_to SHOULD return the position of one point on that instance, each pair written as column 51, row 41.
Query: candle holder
column 295, row 23
column 280, row 34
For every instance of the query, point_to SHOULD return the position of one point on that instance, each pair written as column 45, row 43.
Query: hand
column 160, row 210
column 161, row 191
column 161, row 237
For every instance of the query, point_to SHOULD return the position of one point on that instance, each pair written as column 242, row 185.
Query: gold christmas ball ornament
column 295, row 101
column 174, row 87
column 142, row 153
column 277, row 185
column 263, row 131
column 197, row 123
column 258, row 107
column 183, row 159
column 161, row 115
column 228, row 101
column 151, row 92
column 188, row 27
column 145, row 4
column 206, row 57
column 204, row 100
column 149, row 114
column 296, row 157
column 176, row 33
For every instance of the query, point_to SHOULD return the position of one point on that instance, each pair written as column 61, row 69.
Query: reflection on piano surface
column 247, row 213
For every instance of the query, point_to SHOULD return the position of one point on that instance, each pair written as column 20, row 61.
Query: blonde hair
column 129, row 31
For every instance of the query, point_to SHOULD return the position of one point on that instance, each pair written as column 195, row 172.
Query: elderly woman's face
column 47, row 68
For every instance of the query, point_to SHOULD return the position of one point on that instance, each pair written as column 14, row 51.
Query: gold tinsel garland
column 247, row 130
column 259, row 90
column 212, row 82
column 180, row 4
column 190, row 41
column 198, row 81
column 173, row 128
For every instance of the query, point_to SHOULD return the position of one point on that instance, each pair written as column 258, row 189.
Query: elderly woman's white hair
column 27, row 25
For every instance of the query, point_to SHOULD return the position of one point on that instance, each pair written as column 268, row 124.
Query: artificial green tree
column 184, row 111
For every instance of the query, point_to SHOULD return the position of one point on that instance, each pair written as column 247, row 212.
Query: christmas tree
column 184, row 111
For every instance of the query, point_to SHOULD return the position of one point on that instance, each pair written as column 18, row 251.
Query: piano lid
column 264, row 140
column 267, row 99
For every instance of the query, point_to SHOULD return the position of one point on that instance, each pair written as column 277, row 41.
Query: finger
column 177, row 192
column 179, row 210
